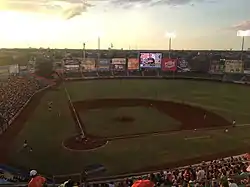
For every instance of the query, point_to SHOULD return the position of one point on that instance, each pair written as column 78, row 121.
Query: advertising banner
column 247, row 71
column 118, row 64
column 103, row 65
column 88, row 64
column 118, row 61
column 234, row 66
column 217, row 66
column 182, row 65
column 150, row 60
column 169, row 64
column 133, row 64
column 71, row 61
column 74, row 68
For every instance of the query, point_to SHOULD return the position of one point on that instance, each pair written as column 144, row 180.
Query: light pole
column 99, row 43
column 243, row 34
column 170, row 36
column 83, row 52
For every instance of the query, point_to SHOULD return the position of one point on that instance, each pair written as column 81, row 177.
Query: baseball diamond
column 132, row 124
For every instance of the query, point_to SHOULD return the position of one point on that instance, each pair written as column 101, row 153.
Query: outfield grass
column 102, row 121
column 45, row 130
column 228, row 100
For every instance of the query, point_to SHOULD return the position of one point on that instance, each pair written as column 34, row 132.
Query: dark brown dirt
column 190, row 117
column 90, row 142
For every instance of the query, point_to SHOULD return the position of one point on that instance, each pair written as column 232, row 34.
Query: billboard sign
column 103, row 65
column 182, row 65
column 150, row 60
column 74, row 68
column 88, row 64
column 169, row 64
column 234, row 66
column 118, row 61
column 247, row 71
column 133, row 64
column 118, row 64
column 71, row 61
column 217, row 66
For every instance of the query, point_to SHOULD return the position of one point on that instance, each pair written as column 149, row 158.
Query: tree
column 45, row 68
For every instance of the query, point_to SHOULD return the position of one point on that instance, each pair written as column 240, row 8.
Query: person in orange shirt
column 37, row 180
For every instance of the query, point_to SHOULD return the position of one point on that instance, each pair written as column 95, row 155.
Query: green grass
column 230, row 101
column 45, row 130
column 102, row 122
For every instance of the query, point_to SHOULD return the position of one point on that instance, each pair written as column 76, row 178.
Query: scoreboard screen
column 150, row 60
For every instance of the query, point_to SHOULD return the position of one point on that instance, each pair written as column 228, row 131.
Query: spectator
column 231, row 183
column 36, row 180
column 15, row 93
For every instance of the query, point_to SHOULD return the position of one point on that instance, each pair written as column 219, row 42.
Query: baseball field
column 134, row 125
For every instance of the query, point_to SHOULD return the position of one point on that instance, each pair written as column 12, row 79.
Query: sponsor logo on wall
column 169, row 64
column 234, row 66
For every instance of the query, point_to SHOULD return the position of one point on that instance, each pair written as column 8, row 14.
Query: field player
column 234, row 123
column 26, row 146
column 50, row 104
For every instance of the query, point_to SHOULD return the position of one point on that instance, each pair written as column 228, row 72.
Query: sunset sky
column 141, row 24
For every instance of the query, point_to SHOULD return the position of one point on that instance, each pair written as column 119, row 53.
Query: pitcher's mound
column 124, row 119
column 77, row 143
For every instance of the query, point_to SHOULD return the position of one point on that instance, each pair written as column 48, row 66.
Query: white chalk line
column 242, row 125
column 197, row 137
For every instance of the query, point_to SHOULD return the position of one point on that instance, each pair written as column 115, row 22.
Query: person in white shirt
column 200, row 174
column 231, row 183
column 234, row 123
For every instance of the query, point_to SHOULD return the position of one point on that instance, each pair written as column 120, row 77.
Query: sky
column 127, row 24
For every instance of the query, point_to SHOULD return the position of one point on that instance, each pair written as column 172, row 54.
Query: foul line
column 197, row 137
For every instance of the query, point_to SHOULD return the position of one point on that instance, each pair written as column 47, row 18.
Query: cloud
column 76, row 10
column 71, row 8
column 149, row 3
column 244, row 25
column 67, row 8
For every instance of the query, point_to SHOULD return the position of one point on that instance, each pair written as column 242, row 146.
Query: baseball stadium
column 117, row 118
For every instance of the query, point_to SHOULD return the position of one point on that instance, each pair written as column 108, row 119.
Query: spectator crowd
column 14, row 93
column 226, row 172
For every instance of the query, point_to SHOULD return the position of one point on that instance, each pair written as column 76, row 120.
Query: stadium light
column 170, row 36
column 83, row 51
column 243, row 34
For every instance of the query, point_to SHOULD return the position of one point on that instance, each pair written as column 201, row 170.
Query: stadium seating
column 15, row 92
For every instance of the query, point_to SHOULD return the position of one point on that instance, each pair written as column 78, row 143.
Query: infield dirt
column 190, row 117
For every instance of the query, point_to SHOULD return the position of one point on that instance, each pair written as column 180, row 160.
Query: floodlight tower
column 170, row 36
column 243, row 34
column 83, row 51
